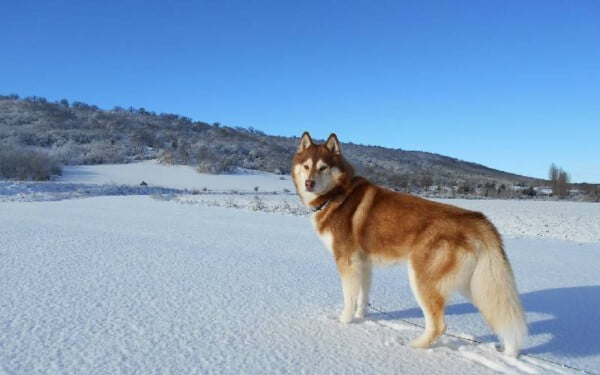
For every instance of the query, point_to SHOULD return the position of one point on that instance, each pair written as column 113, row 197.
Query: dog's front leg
column 363, row 293
column 350, row 275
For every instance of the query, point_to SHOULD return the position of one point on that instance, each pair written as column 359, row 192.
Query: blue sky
column 514, row 85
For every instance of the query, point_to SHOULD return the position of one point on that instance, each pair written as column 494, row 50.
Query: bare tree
column 563, row 184
column 559, row 180
column 553, row 177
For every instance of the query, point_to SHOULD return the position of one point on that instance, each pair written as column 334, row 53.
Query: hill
column 79, row 133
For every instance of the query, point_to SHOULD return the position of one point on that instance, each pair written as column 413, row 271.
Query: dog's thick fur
column 447, row 248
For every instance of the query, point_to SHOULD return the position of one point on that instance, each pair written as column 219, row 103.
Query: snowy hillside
column 79, row 133
column 172, row 278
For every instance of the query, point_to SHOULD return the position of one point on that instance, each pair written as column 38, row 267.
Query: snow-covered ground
column 174, row 282
column 174, row 176
column 574, row 221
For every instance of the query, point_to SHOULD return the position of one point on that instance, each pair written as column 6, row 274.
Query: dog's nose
column 309, row 184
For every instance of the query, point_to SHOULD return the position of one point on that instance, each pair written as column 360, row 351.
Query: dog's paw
column 360, row 314
column 421, row 342
column 346, row 318
column 511, row 351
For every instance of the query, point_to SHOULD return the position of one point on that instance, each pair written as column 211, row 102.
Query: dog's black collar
column 321, row 206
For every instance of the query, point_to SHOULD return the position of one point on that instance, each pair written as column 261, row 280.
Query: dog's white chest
column 325, row 236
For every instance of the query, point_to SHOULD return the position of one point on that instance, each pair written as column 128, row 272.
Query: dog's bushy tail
column 494, row 292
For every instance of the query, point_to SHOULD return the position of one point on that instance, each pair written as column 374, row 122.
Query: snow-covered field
column 174, row 176
column 173, row 280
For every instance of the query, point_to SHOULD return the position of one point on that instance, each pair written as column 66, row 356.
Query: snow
column 173, row 176
column 563, row 220
column 169, row 282
column 574, row 221
column 50, row 191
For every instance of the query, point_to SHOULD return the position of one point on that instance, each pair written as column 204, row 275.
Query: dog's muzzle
column 309, row 185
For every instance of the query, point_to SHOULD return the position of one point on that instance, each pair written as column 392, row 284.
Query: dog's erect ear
column 305, row 142
column 333, row 144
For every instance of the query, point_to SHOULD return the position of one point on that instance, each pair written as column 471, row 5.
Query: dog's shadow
column 573, row 322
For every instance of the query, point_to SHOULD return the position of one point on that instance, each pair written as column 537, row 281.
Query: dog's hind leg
column 363, row 292
column 432, row 303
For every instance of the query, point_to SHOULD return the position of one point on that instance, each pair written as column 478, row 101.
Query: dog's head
column 319, row 168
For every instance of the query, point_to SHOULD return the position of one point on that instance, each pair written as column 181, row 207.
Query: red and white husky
column 447, row 248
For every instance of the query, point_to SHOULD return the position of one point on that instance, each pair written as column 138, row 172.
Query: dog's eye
column 323, row 168
column 306, row 167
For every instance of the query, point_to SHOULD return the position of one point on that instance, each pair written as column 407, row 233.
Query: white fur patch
column 300, row 177
column 335, row 173
column 326, row 236
column 413, row 284
column 321, row 164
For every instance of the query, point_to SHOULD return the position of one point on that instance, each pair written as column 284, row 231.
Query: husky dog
column 447, row 248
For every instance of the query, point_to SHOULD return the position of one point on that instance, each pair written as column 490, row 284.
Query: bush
column 592, row 192
column 464, row 189
column 530, row 191
column 23, row 164
column 257, row 204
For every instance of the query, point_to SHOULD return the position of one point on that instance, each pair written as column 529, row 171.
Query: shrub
column 530, row 191
column 24, row 164
column 592, row 192
column 464, row 189
column 257, row 204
